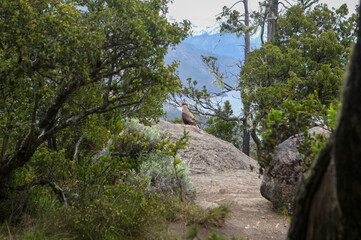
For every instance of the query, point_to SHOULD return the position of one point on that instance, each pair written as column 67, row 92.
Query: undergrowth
column 129, row 216
column 131, row 189
column 193, row 234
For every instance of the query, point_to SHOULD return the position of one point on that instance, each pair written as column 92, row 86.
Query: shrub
column 112, row 195
column 122, row 210
column 160, row 173
column 150, row 155
column 295, row 117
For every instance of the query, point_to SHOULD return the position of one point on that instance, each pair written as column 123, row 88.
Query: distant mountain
column 228, row 48
column 192, row 66
column 210, row 30
column 226, row 45
column 172, row 111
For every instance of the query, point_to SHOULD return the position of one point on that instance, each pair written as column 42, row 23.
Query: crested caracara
column 187, row 116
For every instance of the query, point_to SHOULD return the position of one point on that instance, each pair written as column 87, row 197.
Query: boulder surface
column 206, row 152
column 284, row 174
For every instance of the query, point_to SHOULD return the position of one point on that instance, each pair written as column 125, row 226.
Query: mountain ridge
column 228, row 49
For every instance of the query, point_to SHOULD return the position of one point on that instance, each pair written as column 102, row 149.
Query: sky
column 202, row 13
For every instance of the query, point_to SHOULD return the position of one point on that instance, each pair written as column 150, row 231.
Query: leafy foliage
column 320, row 42
column 116, row 193
column 296, row 117
column 226, row 130
column 71, row 71
column 313, row 143
column 231, row 22
column 151, row 156
column 63, row 61
column 309, row 54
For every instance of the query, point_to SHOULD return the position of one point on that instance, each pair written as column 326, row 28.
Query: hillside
column 172, row 111
column 192, row 66
column 227, row 44
column 228, row 48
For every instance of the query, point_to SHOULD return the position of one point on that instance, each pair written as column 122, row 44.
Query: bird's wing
column 188, row 118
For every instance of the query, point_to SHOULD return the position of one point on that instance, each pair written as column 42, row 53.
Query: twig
column 11, row 236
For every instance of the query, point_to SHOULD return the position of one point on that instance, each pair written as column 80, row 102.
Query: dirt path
column 252, row 215
column 216, row 174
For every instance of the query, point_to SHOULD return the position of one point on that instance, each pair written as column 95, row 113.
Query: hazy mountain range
column 192, row 66
column 228, row 48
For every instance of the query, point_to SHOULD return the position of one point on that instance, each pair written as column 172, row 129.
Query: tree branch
column 99, row 109
column 50, row 115
column 309, row 4
column 236, row 4
column 35, row 109
column 4, row 145
column 42, row 181
column 283, row 5
column 77, row 145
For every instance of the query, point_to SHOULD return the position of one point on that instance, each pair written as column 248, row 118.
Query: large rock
column 283, row 176
column 206, row 152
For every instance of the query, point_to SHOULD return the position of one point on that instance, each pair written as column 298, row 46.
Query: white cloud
column 202, row 13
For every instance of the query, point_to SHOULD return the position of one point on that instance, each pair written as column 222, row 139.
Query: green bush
column 294, row 117
column 121, row 192
column 226, row 130
column 122, row 210
column 160, row 173
column 147, row 154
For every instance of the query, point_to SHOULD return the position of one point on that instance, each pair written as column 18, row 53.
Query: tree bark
column 258, row 142
column 328, row 206
column 315, row 215
column 272, row 19
column 247, row 38
column 247, row 47
column 246, row 137
column 348, row 148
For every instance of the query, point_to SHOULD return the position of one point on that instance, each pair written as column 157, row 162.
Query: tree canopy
column 309, row 54
column 327, row 204
column 62, row 61
column 226, row 130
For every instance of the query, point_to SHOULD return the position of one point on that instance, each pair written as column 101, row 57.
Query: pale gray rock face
column 206, row 152
column 283, row 176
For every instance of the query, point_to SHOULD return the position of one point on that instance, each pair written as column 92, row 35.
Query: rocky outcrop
column 284, row 173
column 206, row 152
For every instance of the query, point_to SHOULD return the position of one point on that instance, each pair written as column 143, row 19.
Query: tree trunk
column 348, row 148
column 328, row 206
column 272, row 19
column 246, row 137
column 247, row 38
column 247, row 47
column 316, row 212
column 258, row 143
column 8, row 165
column 7, row 168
